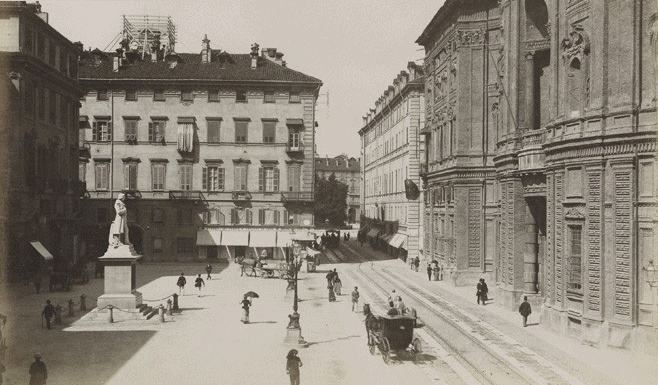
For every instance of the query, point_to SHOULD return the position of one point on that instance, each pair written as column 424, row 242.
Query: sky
column 356, row 47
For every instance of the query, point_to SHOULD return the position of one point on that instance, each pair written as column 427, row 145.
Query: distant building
column 348, row 171
column 214, row 150
column 541, row 159
column 391, row 153
column 39, row 96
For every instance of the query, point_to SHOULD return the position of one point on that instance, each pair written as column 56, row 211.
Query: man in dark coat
column 181, row 284
column 38, row 372
column 48, row 312
column 482, row 291
column 429, row 272
column 293, row 363
column 525, row 310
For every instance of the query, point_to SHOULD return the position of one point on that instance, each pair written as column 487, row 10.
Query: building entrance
column 535, row 244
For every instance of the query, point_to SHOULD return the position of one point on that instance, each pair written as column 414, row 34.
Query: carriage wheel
column 371, row 345
column 270, row 273
column 386, row 351
column 416, row 351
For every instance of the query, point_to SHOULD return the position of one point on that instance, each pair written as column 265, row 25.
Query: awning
column 303, row 236
column 262, row 239
column 386, row 237
column 397, row 240
column 294, row 122
column 208, row 237
column 311, row 252
column 235, row 238
column 373, row 233
column 42, row 250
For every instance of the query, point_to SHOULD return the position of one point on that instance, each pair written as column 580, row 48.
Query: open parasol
column 251, row 294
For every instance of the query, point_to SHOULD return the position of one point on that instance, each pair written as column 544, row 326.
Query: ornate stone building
column 214, row 150
column 39, row 154
column 347, row 170
column 565, row 99
column 391, row 152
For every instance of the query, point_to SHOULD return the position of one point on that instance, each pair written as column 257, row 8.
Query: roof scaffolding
column 141, row 32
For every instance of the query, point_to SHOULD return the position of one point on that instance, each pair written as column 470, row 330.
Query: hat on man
column 37, row 356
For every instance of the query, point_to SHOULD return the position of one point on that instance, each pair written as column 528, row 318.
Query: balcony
column 186, row 194
column 298, row 196
column 241, row 195
column 295, row 148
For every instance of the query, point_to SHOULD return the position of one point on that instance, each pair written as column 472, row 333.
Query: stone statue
column 120, row 224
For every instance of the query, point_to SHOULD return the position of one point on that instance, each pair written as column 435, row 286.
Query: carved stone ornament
column 470, row 37
column 576, row 44
column 574, row 213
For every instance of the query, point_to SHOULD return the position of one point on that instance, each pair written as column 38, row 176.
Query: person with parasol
column 246, row 303
column 293, row 363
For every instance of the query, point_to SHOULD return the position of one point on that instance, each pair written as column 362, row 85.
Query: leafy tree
column 330, row 201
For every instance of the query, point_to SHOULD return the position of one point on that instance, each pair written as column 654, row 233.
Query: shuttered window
column 268, row 179
column 241, row 131
column 130, row 128
column 213, row 131
column 213, row 178
column 185, row 175
column 102, row 131
column 157, row 131
column 269, row 132
column 158, row 176
column 240, row 177
column 130, row 176
column 102, row 171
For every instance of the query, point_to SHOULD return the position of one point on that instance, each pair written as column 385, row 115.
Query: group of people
column 198, row 282
column 395, row 305
column 334, row 285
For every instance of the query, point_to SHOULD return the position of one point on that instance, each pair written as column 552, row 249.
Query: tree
column 330, row 201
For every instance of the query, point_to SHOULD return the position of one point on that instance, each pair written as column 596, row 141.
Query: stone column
column 530, row 89
column 530, row 261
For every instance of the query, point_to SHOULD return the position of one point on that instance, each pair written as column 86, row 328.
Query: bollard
column 161, row 312
column 169, row 306
column 58, row 314
column 175, row 301
column 71, row 304
column 111, row 316
column 83, row 303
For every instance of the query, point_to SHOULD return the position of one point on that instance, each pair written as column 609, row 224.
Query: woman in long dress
column 245, row 309
column 338, row 285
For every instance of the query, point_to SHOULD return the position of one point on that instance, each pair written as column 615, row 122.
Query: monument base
column 294, row 337
column 121, row 301
column 120, row 278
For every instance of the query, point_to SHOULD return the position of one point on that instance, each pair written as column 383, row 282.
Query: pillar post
column 530, row 89
column 530, row 261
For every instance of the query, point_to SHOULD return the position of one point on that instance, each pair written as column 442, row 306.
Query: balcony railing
column 297, row 147
column 185, row 194
column 533, row 138
column 241, row 195
column 297, row 196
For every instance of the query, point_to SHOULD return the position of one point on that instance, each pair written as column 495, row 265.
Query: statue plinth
column 120, row 278
column 294, row 332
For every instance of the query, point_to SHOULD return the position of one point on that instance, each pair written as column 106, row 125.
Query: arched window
column 575, row 86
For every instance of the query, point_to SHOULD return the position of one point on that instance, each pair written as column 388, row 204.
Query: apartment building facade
column 347, row 170
column 213, row 150
column 391, row 152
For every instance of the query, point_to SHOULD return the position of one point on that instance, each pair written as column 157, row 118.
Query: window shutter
column 285, row 217
column 109, row 131
column 94, row 131
column 133, row 177
column 261, row 216
column 126, row 176
column 249, row 216
column 276, row 179
column 276, row 217
column 234, row 216
column 150, row 131
column 204, row 179
column 261, row 179
column 220, row 179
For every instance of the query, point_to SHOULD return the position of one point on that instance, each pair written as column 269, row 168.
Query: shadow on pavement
column 335, row 339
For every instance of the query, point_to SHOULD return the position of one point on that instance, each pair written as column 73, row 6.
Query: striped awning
column 235, row 238
column 208, row 237
column 265, row 238
column 397, row 240
column 42, row 250
column 386, row 237
column 373, row 233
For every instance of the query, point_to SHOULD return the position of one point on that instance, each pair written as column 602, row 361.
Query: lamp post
column 294, row 330
column 652, row 280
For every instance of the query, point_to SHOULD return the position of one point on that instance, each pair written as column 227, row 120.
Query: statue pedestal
column 294, row 337
column 120, row 279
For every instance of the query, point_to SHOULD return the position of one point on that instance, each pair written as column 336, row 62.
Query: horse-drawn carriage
column 393, row 335
column 269, row 269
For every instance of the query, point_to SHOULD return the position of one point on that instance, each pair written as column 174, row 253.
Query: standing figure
column 208, row 271
column 181, row 284
column 429, row 272
column 525, row 310
column 38, row 371
column 198, row 282
column 330, row 276
column 338, row 285
column 245, row 309
column 355, row 298
column 293, row 363
column 416, row 263
column 332, row 295
column 47, row 313
column 120, row 224
column 482, row 291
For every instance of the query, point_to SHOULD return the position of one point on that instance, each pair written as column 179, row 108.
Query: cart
column 393, row 335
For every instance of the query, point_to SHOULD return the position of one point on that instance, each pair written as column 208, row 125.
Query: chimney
column 79, row 47
column 172, row 60
column 254, row 56
column 272, row 55
column 411, row 66
column 278, row 57
column 116, row 63
column 206, row 52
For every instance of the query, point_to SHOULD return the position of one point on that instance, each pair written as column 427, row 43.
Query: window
column 268, row 97
column 131, row 95
column 268, row 217
column 574, row 278
column 158, row 176
column 294, row 97
column 41, row 46
column 63, row 64
column 294, row 141
column 269, row 132
column 157, row 245
column 157, row 215
column 102, row 176
column 158, row 95
column 53, row 107
column 102, row 95
column 240, row 177
column 294, row 177
column 213, row 178
column 185, row 174
column 186, row 96
column 241, row 216
column 82, row 171
column 241, row 131
column 102, row 131
column 157, row 131
column 41, row 102
column 213, row 130
column 130, row 176
column 213, row 96
column 214, row 216
column 268, row 179
column 241, row 96
column 52, row 53
column 130, row 128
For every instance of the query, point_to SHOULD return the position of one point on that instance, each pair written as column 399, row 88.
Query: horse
column 371, row 321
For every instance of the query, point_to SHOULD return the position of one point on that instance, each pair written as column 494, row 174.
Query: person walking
column 293, row 363
column 47, row 313
column 332, row 295
column 482, row 291
column 355, row 298
column 38, row 371
column 429, row 272
column 208, row 271
column 245, row 309
column 198, row 282
column 525, row 310
column 416, row 263
column 330, row 276
column 181, row 284
column 338, row 285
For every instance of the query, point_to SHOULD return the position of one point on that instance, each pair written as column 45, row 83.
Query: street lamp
column 652, row 280
column 294, row 330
